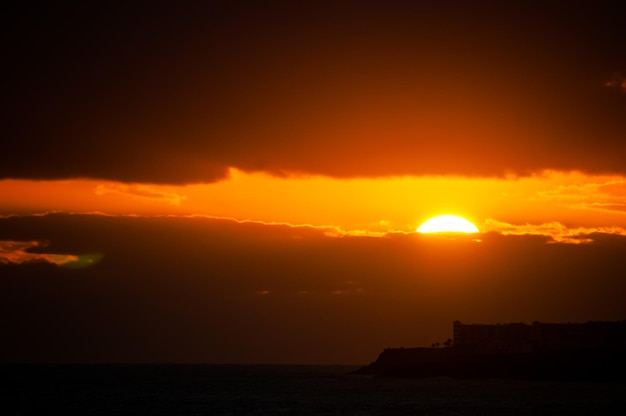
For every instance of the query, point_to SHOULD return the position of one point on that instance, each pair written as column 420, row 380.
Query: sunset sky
column 241, row 181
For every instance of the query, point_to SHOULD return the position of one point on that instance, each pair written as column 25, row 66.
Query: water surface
column 285, row 390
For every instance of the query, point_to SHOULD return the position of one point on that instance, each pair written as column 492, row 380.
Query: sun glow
column 447, row 224
column 540, row 204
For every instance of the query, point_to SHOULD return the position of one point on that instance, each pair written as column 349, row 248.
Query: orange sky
column 174, row 177
column 397, row 204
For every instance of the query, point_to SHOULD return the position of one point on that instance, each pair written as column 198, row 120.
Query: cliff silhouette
column 593, row 351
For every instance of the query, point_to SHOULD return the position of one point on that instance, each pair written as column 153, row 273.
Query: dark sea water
column 285, row 390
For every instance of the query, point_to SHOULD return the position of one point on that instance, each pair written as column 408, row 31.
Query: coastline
column 601, row 364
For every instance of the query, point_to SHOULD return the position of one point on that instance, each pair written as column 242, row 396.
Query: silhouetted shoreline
column 593, row 351
column 579, row 365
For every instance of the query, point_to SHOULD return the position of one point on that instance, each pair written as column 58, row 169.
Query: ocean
column 285, row 390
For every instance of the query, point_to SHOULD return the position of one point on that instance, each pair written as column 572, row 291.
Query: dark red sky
column 173, row 93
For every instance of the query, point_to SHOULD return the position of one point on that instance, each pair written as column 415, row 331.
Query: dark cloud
column 177, row 93
column 200, row 290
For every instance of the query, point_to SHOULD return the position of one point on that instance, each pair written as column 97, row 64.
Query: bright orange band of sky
column 554, row 203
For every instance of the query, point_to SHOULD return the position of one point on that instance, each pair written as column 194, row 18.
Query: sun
column 447, row 224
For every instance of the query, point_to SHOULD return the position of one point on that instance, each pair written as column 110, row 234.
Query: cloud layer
column 180, row 93
column 203, row 290
column 18, row 252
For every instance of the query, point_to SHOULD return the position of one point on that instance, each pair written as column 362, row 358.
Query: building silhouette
column 538, row 337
